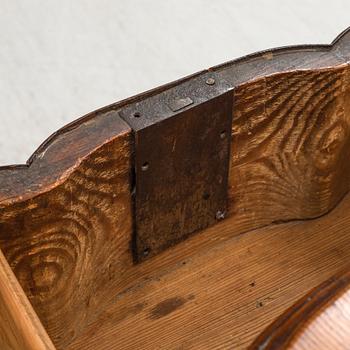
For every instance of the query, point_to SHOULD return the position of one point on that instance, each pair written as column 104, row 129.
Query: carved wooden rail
column 66, row 218
column 320, row 320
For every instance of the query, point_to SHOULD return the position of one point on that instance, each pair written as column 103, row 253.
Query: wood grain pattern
column 68, row 243
column 320, row 320
column 290, row 146
column 20, row 328
column 219, row 291
column 66, row 217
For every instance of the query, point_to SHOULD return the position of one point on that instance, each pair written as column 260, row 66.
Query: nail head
column 145, row 166
column 220, row 215
column 210, row 81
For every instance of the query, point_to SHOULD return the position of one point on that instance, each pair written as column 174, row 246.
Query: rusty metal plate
column 181, row 164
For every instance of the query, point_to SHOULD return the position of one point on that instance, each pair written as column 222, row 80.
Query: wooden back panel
column 66, row 217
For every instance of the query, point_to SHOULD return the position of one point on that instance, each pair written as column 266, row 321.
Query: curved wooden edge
column 319, row 320
column 20, row 327
column 18, row 181
column 51, row 164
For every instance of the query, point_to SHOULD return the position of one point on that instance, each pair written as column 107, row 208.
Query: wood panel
column 69, row 242
column 219, row 291
column 320, row 320
column 20, row 328
column 290, row 146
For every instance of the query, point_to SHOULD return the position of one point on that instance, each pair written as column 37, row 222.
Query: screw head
column 220, row 215
column 223, row 135
column 145, row 166
column 146, row 251
column 210, row 81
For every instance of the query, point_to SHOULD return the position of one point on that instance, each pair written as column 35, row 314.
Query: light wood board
column 216, row 291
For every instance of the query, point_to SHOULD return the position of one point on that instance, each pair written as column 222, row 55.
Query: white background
column 60, row 59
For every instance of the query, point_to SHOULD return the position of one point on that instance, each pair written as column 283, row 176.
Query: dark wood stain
column 166, row 307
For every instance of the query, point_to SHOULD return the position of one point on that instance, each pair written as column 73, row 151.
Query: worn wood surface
column 20, row 327
column 68, row 243
column 218, row 290
column 320, row 320
column 290, row 146
column 66, row 217
column 181, row 167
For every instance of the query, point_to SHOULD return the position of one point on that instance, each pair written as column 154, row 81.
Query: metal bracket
column 182, row 148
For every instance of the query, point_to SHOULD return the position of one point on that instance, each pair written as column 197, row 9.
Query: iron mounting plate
column 182, row 148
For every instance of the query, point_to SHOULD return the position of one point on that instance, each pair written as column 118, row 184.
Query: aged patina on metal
column 182, row 147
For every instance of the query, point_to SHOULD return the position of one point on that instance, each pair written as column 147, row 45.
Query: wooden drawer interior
column 66, row 220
